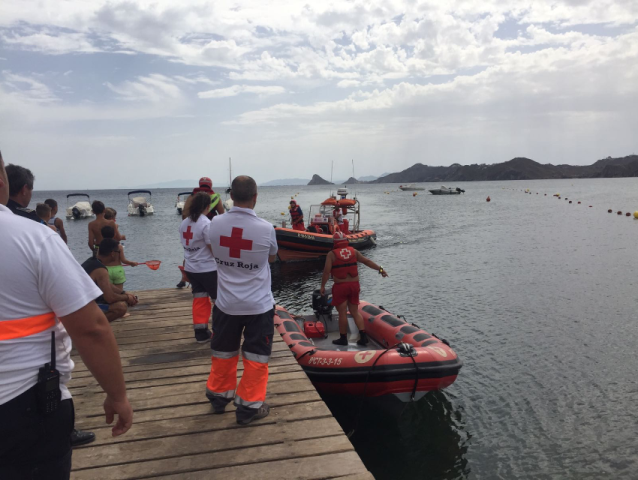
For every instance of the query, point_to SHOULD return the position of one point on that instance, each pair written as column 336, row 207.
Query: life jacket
column 214, row 200
column 295, row 214
column 345, row 262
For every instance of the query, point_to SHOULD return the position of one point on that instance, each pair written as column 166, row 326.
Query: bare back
column 95, row 230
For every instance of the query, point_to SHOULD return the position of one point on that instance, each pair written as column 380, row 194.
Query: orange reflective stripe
column 23, row 327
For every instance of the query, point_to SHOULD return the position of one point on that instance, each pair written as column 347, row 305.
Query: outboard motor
column 321, row 303
column 76, row 213
column 142, row 210
column 460, row 190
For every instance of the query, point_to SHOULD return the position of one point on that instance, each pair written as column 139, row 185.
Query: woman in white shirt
column 199, row 264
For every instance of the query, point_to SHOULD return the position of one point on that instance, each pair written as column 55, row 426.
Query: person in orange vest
column 341, row 263
column 296, row 216
column 243, row 245
column 47, row 300
column 200, row 266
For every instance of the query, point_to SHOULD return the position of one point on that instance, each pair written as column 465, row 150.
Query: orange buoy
column 488, row 199
column 609, row 211
column 619, row 212
column 414, row 194
column 628, row 214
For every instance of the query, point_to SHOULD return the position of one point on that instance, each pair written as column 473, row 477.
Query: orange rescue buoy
column 609, row 211
column 488, row 199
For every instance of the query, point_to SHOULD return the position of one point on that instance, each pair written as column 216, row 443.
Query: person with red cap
column 341, row 263
column 296, row 216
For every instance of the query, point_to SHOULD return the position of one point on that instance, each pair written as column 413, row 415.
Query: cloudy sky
column 107, row 93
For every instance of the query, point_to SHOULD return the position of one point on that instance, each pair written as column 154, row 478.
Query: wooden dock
column 176, row 436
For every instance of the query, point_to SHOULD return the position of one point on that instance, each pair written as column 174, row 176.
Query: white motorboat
column 411, row 188
column 447, row 191
column 80, row 209
column 181, row 200
column 140, row 205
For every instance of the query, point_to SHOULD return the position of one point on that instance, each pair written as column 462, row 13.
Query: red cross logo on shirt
column 236, row 243
column 188, row 235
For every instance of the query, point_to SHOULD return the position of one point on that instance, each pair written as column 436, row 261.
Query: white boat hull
column 79, row 211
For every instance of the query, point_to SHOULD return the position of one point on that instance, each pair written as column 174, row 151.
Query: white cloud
column 153, row 88
column 238, row 89
column 27, row 89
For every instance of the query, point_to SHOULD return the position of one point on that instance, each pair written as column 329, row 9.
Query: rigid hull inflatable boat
column 400, row 359
column 316, row 239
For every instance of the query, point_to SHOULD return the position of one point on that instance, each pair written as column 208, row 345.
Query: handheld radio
column 48, row 386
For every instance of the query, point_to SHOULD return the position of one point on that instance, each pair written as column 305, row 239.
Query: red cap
column 339, row 239
column 205, row 181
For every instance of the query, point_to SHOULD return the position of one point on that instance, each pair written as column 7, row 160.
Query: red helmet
column 206, row 181
column 339, row 240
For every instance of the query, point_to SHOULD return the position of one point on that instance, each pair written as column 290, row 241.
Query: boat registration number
column 307, row 237
column 324, row 361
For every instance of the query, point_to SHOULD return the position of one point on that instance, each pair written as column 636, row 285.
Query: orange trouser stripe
column 23, row 327
column 223, row 374
column 253, row 383
column 201, row 310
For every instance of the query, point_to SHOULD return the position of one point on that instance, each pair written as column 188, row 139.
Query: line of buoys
column 488, row 199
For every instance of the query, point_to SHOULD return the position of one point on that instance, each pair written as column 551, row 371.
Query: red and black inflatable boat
column 401, row 359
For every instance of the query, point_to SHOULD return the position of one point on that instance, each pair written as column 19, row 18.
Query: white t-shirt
column 241, row 244
column 38, row 275
column 195, row 240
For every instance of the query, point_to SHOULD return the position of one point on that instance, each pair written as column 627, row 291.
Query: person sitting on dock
column 112, row 303
column 243, row 245
column 296, row 216
column 117, row 275
column 341, row 263
column 200, row 266
column 54, row 221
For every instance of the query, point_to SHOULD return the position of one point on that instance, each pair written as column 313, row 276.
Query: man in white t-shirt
column 243, row 245
column 44, row 291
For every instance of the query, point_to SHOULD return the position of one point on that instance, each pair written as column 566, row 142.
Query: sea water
column 539, row 298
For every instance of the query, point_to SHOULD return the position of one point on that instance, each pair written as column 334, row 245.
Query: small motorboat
column 400, row 359
column 411, row 188
column 316, row 241
column 140, row 205
column 80, row 209
column 447, row 191
column 181, row 200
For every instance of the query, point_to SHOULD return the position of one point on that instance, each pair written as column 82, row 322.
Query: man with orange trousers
column 243, row 245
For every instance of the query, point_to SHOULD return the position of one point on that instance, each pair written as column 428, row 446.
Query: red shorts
column 346, row 291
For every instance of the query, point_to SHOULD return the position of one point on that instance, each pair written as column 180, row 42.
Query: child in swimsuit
column 117, row 276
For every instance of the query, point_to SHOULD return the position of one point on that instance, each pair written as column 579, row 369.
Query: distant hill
column 317, row 180
column 285, row 182
column 519, row 168
column 352, row 181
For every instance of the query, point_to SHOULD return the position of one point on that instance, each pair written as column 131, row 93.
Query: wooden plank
column 209, row 423
column 310, row 467
column 205, row 442
column 195, row 409
column 211, row 464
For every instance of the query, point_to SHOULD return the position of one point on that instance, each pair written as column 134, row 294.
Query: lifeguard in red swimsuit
column 341, row 263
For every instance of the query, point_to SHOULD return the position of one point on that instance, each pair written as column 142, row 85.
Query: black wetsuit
column 89, row 266
column 18, row 209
